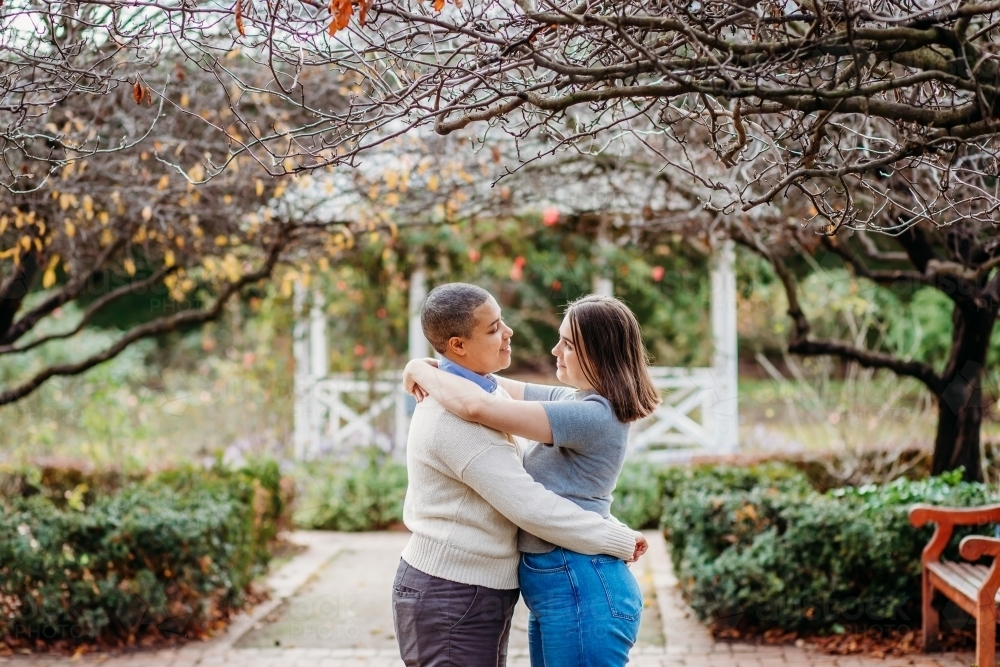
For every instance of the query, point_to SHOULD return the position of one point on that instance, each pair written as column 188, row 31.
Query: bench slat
column 953, row 585
column 975, row 575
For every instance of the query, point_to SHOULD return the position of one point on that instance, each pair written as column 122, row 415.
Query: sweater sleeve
column 496, row 474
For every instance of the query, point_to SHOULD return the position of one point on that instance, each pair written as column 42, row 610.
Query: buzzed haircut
column 449, row 310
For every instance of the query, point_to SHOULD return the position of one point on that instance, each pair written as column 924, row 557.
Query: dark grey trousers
column 441, row 623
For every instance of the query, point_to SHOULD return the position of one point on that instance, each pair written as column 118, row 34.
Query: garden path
column 331, row 608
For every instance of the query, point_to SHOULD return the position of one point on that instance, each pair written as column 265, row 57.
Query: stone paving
column 330, row 608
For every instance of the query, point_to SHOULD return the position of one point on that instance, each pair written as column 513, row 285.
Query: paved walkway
column 331, row 608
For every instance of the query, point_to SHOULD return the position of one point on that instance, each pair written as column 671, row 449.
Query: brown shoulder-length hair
column 613, row 358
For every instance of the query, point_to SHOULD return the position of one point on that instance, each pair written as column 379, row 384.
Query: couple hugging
column 472, row 486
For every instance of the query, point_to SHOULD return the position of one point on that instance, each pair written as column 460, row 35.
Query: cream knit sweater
column 467, row 495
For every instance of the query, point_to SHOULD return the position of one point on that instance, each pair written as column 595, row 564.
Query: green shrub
column 643, row 488
column 783, row 555
column 364, row 494
column 172, row 553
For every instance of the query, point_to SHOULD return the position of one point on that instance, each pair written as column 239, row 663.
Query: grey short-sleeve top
column 585, row 457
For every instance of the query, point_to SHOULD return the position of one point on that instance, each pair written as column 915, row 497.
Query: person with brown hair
column 584, row 609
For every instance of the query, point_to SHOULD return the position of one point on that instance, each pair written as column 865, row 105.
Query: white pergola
column 336, row 412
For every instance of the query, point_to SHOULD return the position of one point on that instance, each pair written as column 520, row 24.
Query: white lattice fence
column 347, row 412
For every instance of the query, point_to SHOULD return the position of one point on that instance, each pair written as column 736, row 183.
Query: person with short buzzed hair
column 454, row 593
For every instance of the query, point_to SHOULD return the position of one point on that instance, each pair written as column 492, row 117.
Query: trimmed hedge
column 758, row 548
column 171, row 554
column 364, row 494
column 642, row 488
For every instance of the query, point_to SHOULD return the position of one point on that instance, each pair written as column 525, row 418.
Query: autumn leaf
column 137, row 92
column 438, row 5
column 239, row 18
column 363, row 6
column 49, row 279
column 129, row 266
column 342, row 10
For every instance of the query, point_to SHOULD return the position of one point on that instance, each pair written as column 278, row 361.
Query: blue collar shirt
column 488, row 383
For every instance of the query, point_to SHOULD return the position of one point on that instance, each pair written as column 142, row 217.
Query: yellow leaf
column 168, row 258
column 26, row 242
column 49, row 279
column 107, row 237
column 104, row 217
column 231, row 266
column 392, row 199
column 163, row 182
column 279, row 190
column 70, row 227
column 221, row 240
column 197, row 173
column 259, row 187
column 129, row 266
column 147, row 213
column 185, row 100
column 432, row 182
column 3, row 223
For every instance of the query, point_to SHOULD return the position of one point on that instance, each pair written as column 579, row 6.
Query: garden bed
column 108, row 560
column 759, row 551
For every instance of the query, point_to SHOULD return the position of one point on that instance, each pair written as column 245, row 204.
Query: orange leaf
column 363, row 6
column 137, row 92
column 438, row 5
column 239, row 17
column 342, row 11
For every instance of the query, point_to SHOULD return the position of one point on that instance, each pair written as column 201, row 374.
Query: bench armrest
column 975, row 547
column 955, row 516
column 946, row 518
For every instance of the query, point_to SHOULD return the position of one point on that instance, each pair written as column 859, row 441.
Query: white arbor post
column 602, row 284
column 725, row 419
column 419, row 348
column 711, row 392
column 302, row 387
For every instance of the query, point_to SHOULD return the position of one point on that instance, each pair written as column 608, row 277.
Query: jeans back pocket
column 621, row 588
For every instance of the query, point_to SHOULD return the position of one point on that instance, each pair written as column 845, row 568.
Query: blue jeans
column 584, row 610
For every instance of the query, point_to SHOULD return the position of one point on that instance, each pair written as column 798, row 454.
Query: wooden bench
column 971, row 587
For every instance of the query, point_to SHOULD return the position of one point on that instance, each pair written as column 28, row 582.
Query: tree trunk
column 957, row 442
column 960, row 404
